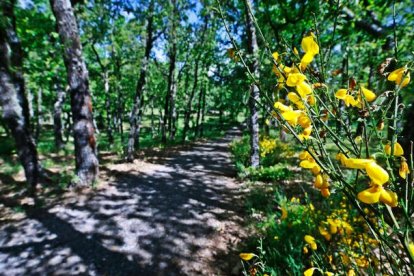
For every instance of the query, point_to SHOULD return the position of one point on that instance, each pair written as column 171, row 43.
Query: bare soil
column 178, row 212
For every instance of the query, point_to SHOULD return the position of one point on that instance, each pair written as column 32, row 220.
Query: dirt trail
column 175, row 214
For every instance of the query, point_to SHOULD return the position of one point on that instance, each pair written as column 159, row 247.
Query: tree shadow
column 176, row 218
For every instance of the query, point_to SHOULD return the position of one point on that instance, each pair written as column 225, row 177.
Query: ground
column 176, row 213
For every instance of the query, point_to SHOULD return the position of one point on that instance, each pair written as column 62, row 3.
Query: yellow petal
column 325, row 192
column 292, row 116
column 371, row 195
column 294, row 98
column 309, row 271
column 376, row 173
column 307, row 58
column 282, row 107
column 309, row 45
column 304, row 89
column 341, row 93
column 355, row 163
column 246, row 256
column 396, row 74
column 398, row 150
column 388, row 197
column 404, row 170
column 368, row 94
column 304, row 155
column 304, row 121
column 294, row 79
column 318, row 181
column 311, row 241
column 306, row 164
column 316, row 170
column 275, row 55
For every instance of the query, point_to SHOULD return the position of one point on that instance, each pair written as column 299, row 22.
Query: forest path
column 177, row 213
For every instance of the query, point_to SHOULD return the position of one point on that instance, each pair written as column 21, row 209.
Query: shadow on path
column 176, row 215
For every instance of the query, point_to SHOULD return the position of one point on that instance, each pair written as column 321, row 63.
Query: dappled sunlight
column 176, row 216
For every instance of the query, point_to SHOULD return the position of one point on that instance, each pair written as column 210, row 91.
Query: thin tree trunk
column 12, row 93
column 197, row 124
column 87, row 164
column 152, row 117
column 136, row 113
column 188, row 111
column 254, row 90
column 169, row 109
column 108, row 108
column 39, row 120
column 203, row 110
column 57, row 115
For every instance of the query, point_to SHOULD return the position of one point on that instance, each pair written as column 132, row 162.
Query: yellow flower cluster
column 378, row 177
column 321, row 179
column 267, row 145
column 352, row 98
column 295, row 118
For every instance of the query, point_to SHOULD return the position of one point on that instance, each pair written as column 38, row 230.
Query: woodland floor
column 178, row 212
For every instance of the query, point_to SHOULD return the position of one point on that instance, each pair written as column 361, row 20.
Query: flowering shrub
column 365, row 167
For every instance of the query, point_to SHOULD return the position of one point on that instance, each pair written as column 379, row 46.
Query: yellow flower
column 275, row 55
column 246, row 256
column 342, row 158
column 368, row 94
column 295, row 99
column 294, row 79
column 291, row 116
column 371, row 195
column 376, row 173
column 308, row 164
column 398, row 150
column 327, row 273
column 356, row 163
column 318, row 181
column 305, row 250
column 325, row 192
column 333, row 226
column 342, row 94
column 281, row 107
column 305, row 155
column 388, row 197
column 378, row 193
column 311, row 48
column 325, row 233
column 350, row 272
column 397, row 76
column 295, row 51
column 404, row 170
column 316, row 169
column 311, row 242
column 309, row 271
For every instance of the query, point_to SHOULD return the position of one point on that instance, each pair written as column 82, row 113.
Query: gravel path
column 174, row 214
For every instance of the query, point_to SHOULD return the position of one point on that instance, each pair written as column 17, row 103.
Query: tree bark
column 87, row 164
column 57, row 115
column 12, row 93
column 254, row 90
column 136, row 112
column 203, row 111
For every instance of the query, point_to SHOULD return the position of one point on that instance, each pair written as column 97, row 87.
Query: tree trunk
column 87, row 164
column 188, row 111
column 169, row 109
column 57, row 115
column 254, row 90
column 203, row 111
column 12, row 94
column 136, row 113
column 39, row 115
column 108, row 108
column 200, row 99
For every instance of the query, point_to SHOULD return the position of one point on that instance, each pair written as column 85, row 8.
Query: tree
column 12, row 93
column 136, row 112
column 254, row 90
column 87, row 164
